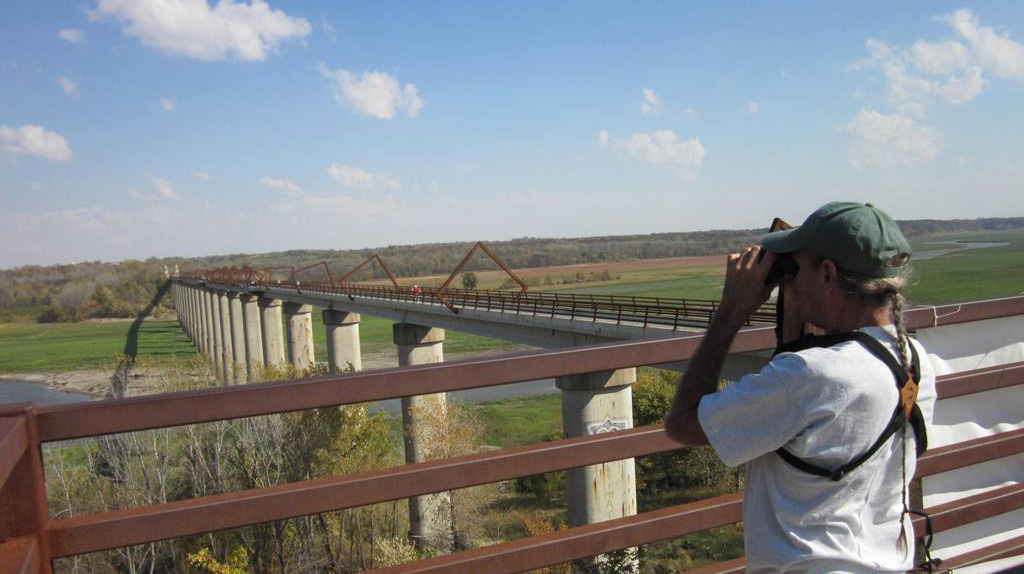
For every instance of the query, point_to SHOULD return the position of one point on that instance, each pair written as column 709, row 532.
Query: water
column 922, row 255
column 481, row 395
column 16, row 391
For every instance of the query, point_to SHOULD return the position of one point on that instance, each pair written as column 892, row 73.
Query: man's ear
column 829, row 272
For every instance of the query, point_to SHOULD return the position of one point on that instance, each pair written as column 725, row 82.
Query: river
column 15, row 391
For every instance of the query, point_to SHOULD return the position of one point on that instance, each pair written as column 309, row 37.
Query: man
column 822, row 408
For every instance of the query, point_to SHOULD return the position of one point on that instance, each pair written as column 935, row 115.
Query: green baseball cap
column 857, row 237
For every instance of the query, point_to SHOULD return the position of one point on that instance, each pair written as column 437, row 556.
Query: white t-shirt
column 826, row 406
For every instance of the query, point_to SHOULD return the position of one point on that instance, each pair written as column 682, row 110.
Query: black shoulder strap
column 899, row 415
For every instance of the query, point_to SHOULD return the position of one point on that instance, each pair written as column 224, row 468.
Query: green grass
column 525, row 420
column 969, row 274
column 58, row 347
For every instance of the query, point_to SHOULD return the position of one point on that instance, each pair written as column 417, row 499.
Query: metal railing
column 30, row 540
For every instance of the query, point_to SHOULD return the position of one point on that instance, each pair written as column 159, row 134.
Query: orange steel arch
column 380, row 261
column 465, row 260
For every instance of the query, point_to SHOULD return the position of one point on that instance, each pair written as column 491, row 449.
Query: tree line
column 78, row 291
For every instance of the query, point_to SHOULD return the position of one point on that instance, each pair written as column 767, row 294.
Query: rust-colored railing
column 641, row 311
column 30, row 540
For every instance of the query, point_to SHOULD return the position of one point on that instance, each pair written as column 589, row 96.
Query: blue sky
column 137, row 128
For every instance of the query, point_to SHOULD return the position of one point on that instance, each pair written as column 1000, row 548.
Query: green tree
column 469, row 280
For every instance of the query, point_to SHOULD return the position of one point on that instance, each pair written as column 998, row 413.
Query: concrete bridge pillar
column 429, row 515
column 253, row 335
column 216, row 352
column 343, row 352
column 227, row 347
column 273, row 337
column 299, row 319
column 193, row 313
column 239, row 368
column 203, row 320
column 595, row 403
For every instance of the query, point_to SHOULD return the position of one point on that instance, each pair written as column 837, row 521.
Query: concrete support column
column 273, row 337
column 253, row 335
column 200, row 320
column 595, row 403
column 239, row 367
column 343, row 351
column 299, row 320
column 211, row 339
column 227, row 361
column 193, row 313
column 429, row 515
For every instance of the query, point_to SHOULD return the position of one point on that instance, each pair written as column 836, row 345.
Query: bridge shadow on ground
column 119, row 379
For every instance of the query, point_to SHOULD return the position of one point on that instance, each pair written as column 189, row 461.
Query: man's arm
column 744, row 292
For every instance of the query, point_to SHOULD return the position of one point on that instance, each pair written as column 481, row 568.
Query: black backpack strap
column 900, row 415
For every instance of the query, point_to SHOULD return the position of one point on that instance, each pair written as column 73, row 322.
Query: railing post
column 23, row 505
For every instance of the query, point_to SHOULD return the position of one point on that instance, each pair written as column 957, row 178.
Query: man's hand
column 744, row 291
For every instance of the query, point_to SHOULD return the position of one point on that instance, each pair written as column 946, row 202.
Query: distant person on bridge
column 830, row 427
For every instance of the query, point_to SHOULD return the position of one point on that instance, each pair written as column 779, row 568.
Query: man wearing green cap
column 823, row 428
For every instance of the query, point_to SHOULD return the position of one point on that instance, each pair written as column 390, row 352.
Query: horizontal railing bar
column 971, row 452
column 997, row 551
column 979, row 380
column 94, row 532
column 20, row 556
column 62, row 422
column 935, row 316
column 973, row 508
column 13, row 444
column 582, row 541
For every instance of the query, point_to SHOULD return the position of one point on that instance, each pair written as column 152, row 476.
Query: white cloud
column 752, row 108
column 785, row 75
column 652, row 103
column 951, row 71
column 356, row 178
column 34, row 140
column 328, row 29
column 71, row 35
column 229, row 30
column 374, row 94
column 286, row 186
column 663, row 148
column 163, row 188
column 69, row 86
column 995, row 52
column 202, row 175
column 602, row 138
column 168, row 104
column 890, row 141
column 689, row 114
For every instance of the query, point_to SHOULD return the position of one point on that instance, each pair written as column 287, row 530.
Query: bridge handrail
column 23, row 431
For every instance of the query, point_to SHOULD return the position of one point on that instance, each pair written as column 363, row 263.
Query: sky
column 139, row 128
